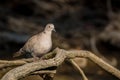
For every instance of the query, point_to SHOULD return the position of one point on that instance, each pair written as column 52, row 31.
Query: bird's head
column 49, row 27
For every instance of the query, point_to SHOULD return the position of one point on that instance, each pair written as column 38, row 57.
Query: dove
column 39, row 44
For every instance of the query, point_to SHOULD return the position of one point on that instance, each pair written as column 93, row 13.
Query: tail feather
column 19, row 53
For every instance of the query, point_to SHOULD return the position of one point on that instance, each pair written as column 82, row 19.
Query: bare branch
column 44, row 72
column 95, row 59
column 61, row 55
column 6, row 63
column 79, row 69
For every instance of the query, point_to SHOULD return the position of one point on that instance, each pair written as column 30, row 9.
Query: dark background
column 92, row 25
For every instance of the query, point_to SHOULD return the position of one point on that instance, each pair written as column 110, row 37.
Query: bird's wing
column 25, row 48
column 28, row 47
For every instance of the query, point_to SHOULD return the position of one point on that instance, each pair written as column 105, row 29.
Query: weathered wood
column 61, row 55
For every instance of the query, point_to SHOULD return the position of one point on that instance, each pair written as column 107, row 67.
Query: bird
column 39, row 44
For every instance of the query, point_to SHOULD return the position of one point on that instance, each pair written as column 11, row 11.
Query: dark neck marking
column 44, row 32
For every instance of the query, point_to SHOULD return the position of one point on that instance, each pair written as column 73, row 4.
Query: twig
column 79, row 69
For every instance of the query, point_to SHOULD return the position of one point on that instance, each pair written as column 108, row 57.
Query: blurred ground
column 80, row 24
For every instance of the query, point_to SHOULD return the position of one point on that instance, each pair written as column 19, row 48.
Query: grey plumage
column 38, row 44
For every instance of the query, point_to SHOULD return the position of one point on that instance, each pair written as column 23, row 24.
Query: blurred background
column 92, row 25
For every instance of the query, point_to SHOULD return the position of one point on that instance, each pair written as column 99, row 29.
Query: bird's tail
column 19, row 53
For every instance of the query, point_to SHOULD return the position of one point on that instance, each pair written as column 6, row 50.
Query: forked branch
column 60, row 56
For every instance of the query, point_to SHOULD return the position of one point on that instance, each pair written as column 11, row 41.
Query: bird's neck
column 47, row 32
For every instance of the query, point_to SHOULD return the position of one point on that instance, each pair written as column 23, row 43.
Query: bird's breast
column 43, row 45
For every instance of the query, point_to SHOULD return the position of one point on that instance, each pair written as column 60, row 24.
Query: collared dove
column 39, row 44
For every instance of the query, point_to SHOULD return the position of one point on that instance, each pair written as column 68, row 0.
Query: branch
column 95, row 59
column 44, row 72
column 60, row 56
column 93, row 41
column 80, row 70
column 5, row 63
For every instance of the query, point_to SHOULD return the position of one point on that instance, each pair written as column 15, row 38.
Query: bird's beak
column 54, row 30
